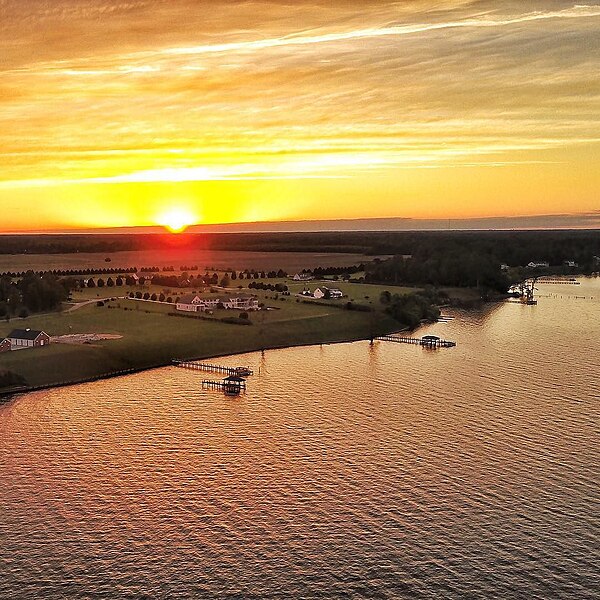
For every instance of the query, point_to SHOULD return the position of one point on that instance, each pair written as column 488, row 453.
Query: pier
column 428, row 341
column 230, row 386
column 196, row 366
column 559, row 281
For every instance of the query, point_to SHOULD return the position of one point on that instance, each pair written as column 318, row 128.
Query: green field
column 151, row 337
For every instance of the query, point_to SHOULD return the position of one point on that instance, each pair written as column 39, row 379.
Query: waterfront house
column 5, row 345
column 325, row 292
column 28, row 338
column 538, row 265
column 570, row 263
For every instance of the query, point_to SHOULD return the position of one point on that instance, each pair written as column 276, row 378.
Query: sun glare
column 177, row 220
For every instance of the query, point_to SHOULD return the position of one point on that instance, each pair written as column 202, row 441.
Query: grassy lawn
column 151, row 337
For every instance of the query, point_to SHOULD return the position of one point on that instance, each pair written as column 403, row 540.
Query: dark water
column 346, row 471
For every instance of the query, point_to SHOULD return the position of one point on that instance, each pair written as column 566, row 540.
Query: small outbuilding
column 28, row 338
column 5, row 345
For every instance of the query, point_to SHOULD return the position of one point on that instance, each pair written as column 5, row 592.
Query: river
column 346, row 471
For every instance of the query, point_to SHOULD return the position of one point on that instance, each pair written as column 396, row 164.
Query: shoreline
column 8, row 394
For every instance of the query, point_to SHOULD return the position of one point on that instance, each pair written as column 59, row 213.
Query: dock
column 559, row 281
column 428, row 341
column 231, row 386
column 197, row 366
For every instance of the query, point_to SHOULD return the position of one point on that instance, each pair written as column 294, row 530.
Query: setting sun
column 177, row 220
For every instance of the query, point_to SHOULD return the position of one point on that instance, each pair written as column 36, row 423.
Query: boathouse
column 28, row 338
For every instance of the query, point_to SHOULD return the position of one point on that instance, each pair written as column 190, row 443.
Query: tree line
column 511, row 247
column 32, row 293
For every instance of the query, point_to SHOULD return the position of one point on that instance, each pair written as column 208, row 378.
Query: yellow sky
column 121, row 113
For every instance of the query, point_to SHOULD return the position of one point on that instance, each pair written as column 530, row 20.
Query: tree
column 100, row 282
column 225, row 282
column 91, row 283
column 154, row 297
column 110, row 282
column 161, row 298
column 119, row 281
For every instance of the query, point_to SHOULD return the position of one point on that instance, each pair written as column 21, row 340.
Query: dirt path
column 79, row 305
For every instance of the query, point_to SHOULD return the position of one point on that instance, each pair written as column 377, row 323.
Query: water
column 347, row 471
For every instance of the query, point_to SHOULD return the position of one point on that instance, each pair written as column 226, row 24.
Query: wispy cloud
column 151, row 92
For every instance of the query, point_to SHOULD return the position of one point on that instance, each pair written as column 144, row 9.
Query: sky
column 124, row 113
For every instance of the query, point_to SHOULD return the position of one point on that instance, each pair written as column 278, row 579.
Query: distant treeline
column 510, row 247
column 72, row 272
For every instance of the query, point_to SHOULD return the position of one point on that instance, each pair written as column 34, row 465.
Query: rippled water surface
column 384, row 471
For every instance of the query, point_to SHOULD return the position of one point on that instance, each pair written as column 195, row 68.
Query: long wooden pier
column 429, row 341
column 197, row 366
column 559, row 281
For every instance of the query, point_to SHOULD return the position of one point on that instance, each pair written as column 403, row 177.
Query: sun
column 177, row 220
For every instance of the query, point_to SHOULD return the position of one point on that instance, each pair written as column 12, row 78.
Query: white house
column 570, row 263
column 241, row 302
column 303, row 277
column 191, row 303
column 538, row 265
column 332, row 293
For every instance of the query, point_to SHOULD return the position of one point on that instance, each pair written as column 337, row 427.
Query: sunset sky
column 119, row 113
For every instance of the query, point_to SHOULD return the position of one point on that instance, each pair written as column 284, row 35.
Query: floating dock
column 429, row 341
column 196, row 366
